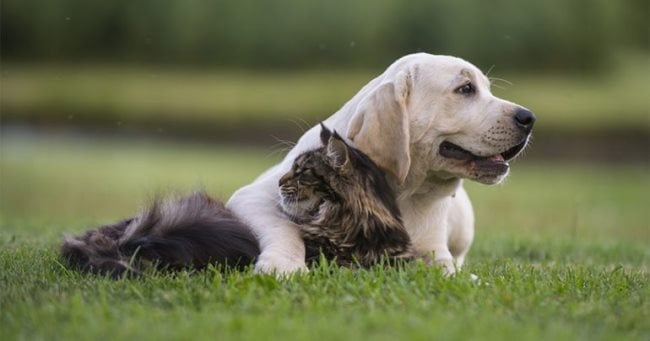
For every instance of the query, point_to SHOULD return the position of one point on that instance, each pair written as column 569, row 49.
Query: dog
column 428, row 121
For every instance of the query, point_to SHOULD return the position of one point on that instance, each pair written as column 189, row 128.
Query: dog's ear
column 380, row 126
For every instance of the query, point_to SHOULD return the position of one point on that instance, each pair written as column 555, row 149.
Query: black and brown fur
column 191, row 231
column 344, row 205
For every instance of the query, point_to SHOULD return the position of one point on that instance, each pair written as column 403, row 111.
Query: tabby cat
column 343, row 204
column 338, row 196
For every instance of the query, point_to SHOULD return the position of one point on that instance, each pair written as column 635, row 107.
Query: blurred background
column 107, row 103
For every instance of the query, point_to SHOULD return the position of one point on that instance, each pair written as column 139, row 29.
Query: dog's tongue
column 491, row 161
column 496, row 158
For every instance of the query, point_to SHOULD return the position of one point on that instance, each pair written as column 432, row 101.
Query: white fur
column 399, row 119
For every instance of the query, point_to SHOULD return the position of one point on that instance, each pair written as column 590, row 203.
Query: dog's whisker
column 490, row 70
column 501, row 80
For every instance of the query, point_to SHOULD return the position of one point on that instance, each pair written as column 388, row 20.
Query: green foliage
column 120, row 97
column 293, row 33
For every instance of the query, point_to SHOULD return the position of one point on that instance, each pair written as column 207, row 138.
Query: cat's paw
column 279, row 265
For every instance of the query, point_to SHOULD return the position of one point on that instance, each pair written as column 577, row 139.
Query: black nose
column 525, row 119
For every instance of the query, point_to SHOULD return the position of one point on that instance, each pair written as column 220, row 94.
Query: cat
column 343, row 204
column 339, row 197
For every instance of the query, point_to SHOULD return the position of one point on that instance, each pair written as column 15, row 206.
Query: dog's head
column 434, row 116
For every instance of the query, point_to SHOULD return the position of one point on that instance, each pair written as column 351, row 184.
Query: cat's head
column 333, row 175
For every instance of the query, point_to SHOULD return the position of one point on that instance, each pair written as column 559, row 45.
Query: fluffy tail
column 191, row 231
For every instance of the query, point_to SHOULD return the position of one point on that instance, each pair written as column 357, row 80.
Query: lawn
column 562, row 252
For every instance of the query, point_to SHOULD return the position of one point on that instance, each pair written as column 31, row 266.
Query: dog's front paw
column 279, row 265
column 442, row 258
column 447, row 265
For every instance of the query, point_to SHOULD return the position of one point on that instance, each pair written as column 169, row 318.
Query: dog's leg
column 427, row 225
column 441, row 254
column 461, row 226
column 282, row 248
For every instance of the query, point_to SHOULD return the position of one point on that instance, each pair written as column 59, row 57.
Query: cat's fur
column 345, row 207
column 190, row 231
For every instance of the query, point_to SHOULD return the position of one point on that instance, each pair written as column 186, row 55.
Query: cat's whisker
column 281, row 147
column 301, row 123
column 283, row 142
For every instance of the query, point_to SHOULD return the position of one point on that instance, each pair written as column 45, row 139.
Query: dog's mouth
column 454, row 151
column 494, row 165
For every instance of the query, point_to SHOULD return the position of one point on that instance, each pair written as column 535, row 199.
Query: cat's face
column 316, row 179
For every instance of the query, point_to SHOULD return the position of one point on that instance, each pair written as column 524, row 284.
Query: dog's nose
column 525, row 119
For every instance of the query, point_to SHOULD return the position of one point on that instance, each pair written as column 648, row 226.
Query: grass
column 129, row 96
column 561, row 253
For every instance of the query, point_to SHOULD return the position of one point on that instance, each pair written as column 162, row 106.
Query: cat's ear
column 337, row 152
column 380, row 125
column 325, row 134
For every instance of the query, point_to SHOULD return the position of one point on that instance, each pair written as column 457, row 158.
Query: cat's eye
column 307, row 179
column 304, row 182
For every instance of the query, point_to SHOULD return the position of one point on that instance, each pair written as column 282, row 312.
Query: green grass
column 128, row 96
column 562, row 252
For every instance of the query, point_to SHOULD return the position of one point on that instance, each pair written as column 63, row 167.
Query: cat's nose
column 283, row 180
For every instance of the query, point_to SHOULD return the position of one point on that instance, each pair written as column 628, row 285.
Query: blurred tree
column 294, row 33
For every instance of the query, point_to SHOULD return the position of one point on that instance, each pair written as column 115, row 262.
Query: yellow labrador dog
column 429, row 121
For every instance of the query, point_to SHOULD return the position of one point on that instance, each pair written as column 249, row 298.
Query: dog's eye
column 466, row 89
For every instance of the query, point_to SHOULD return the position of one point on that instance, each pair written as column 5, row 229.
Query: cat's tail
column 191, row 231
